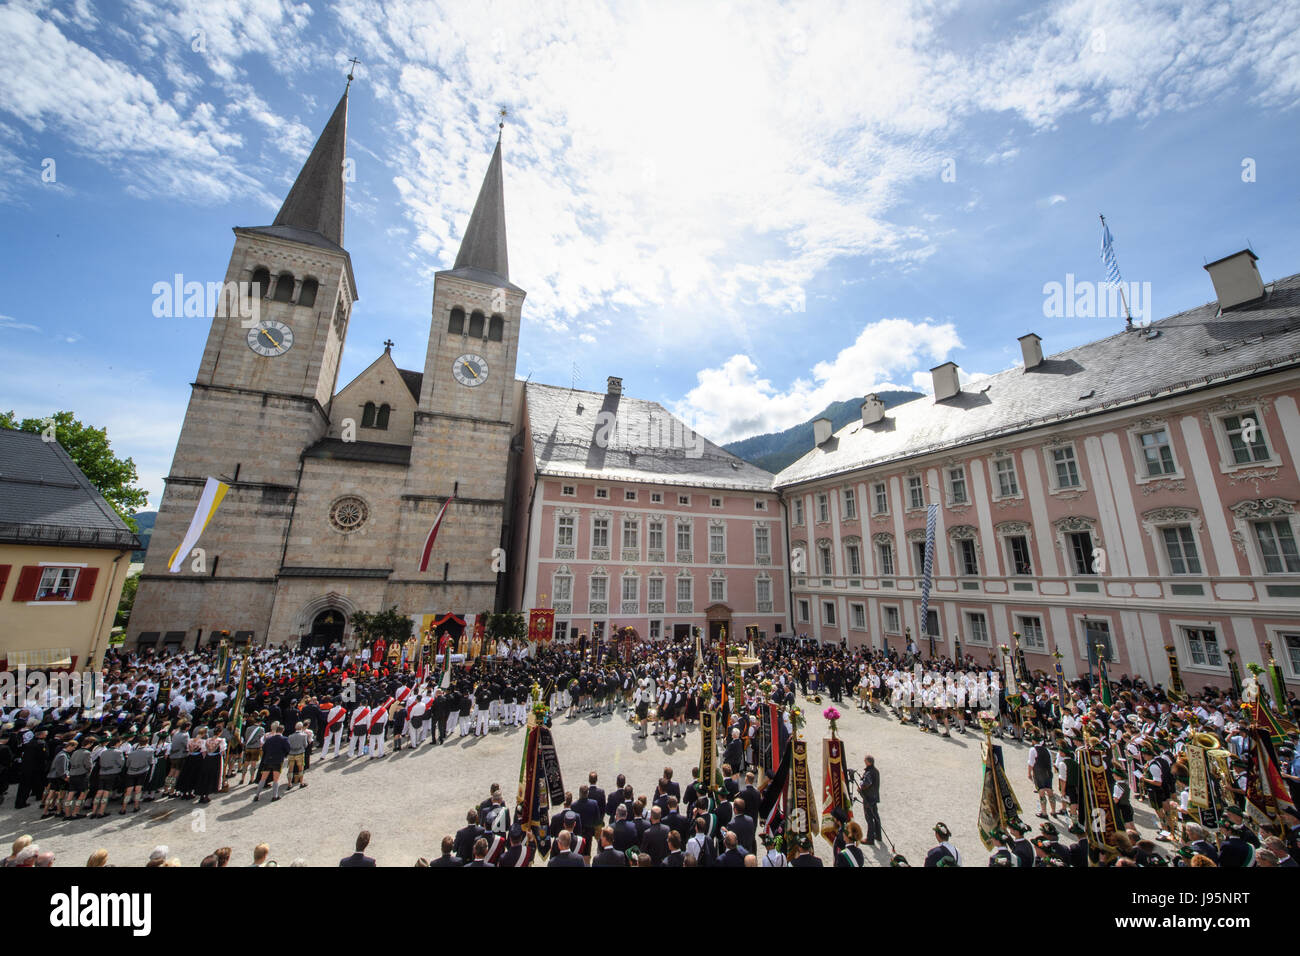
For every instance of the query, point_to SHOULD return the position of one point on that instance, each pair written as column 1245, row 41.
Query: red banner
column 541, row 624
column 834, row 789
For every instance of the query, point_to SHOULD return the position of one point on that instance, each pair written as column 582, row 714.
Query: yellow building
column 64, row 556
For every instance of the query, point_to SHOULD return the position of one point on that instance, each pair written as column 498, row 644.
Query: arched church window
column 496, row 326
column 456, row 325
column 262, row 282
column 308, row 294
column 368, row 415
column 476, row 325
column 381, row 417
column 284, row 287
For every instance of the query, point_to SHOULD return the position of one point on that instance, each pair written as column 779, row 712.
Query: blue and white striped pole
column 927, row 572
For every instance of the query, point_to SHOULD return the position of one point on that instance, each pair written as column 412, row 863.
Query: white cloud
column 9, row 322
column 1053, row 200
column 733, row 400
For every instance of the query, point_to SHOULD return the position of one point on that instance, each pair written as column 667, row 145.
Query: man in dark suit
column 625, row 834
column 675, row 820
column 557, row 818
column 869, row 790
column 654, row 841
column 804, row 855
column 615, row 798
column 480, row 853
column 597, row 794
column 448, row 858
column 359, row 858
column 673, row 786
column 564, row 855
column 466, row 835
column 608, row 856
column 734, row 856
column 734, row 753
column 675, row 855
column 743, row 827
column 750, row 794
column 588, row 811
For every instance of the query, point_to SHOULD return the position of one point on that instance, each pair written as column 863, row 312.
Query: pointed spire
column 484, row 245
column 315, row 203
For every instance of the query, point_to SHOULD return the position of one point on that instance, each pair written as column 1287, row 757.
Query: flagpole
column 1128, row 316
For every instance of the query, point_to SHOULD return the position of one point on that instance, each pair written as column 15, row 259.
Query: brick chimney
column 614, row 385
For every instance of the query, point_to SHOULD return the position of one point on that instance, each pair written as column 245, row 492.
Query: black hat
column 941, row 829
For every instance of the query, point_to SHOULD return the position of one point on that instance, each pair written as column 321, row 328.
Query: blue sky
column 741, row 209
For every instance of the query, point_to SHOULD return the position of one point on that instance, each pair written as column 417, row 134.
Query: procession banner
column 772, row 793
column 709, row 748
column 529, row 818
column 433, row 535
column 223, row 660
column 763, row 744
column 550, row 766
column 237, row 711
column 209, row 502
column 803, row 806
column 444, row 648
column 989, row 818
column 541, row 624
column 1175, row 676
column 1008, row 805
column 1099, row 808
column 834, row 787
column 1197, row 776
column 927, row 570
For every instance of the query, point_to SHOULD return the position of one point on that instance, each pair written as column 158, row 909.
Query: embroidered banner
column 550, row 768
column 803, row 807
column 709, row 748
column 834, row 788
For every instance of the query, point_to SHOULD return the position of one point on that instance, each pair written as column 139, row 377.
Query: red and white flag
column 433, row 534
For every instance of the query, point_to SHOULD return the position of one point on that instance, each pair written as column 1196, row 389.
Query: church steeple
column 484, row 247
column 315, row 203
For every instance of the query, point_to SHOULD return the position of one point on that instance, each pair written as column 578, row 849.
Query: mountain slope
column 776, row 450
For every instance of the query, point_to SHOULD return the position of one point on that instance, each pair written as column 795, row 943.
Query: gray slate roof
column 1194, row 349
column 484, row 245
column 45, row 498
column 645, row 443
column 314, row 206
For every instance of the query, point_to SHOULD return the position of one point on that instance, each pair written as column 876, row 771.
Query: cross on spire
column 354, row 61
column 501, row 124
column 388, row 345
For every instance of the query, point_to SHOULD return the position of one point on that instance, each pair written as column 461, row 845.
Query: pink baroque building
column 625, row 516
column 1138, row 492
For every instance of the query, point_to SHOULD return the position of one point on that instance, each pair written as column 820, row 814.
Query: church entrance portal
column 326, row 629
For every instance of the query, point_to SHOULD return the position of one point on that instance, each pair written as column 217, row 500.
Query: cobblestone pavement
column 410, row 799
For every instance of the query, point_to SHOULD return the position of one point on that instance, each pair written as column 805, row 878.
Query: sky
column 745, row 210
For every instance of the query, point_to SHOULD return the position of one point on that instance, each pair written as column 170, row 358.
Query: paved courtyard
column 409, row 800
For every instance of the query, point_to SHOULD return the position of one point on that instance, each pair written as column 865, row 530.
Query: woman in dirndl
column 209, row 772
column 189, row 775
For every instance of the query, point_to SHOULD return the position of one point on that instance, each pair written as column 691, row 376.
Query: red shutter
column 29, row 579
column 4, row 579
column 85, row 584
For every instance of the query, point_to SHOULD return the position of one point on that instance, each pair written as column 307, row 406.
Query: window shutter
column 85, row 584
column 4, row 578
column 29, row 579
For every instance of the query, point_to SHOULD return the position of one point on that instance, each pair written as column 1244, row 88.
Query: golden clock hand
column 270, row 339
column 470, row 369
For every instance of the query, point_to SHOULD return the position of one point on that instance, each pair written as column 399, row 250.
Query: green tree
column 127, row 601
column 508, row 624
column 88, row 447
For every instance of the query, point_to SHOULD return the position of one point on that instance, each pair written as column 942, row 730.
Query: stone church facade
column 331, row 495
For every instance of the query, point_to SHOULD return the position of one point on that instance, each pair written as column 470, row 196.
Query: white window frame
column 828, row 619
column 1053, row 478
column 849, row 504
column 766, row 551
column 1135, row 434
column 995, row 480
column 656, row 629
column 759, row 583
column 760, row 504
column 1024, row 630
column 797, row 517
column 656, row 497
column 803, row 605
column 595, row 527
column 1228, row 463
column 680, row 525
column 629, row 494
column 879, row 493
column 651, row 581
column 568, row 491
column 653, row 526
column 914, row 482
column 1167, row 563
column 958, row 557
column 967, row 617
column 602, row 493
column 885, row 611
column 573, row 531
column 1183, row 646
column 603, row 579
column 888, row 569
column 1277, row 633
column 1253, row 530
column 853, row 558
column 717, row 589
column 689, row 581
column 857, row 616
column 633, row 525
column 556, row 593
column 715, row 501
column 61, row 578
column 823, row 502
column 719, row 529
column 635, row 581
column 950, row 484
column 1081, row 635
column 683, row 501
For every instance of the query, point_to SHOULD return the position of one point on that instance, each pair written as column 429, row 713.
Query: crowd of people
column 176, row 727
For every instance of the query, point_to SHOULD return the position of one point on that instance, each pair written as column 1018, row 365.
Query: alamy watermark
column 1075, row 299
column 652, row 433
column 181, row 299
column 19, row 689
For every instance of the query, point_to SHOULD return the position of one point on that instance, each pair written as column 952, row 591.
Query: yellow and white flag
column 209, row 501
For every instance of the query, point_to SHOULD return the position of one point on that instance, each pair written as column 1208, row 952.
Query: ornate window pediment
column 1253, row 508
column 1075, row 523
column 1012, row 527
column 963, row 532
column 823, row 542
column 1170, row 516
column 852, row 539
column 882, row 537
column 916, row 534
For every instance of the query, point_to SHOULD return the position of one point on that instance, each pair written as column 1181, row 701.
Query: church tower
column 261, row 396
column 463, row 424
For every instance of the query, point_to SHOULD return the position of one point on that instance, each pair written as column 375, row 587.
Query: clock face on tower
column 470, row 370
column 269, row 338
